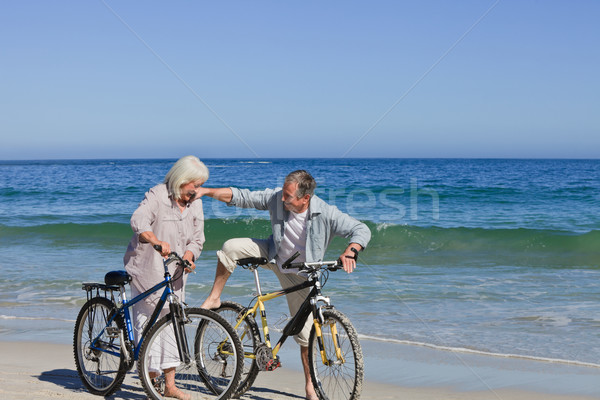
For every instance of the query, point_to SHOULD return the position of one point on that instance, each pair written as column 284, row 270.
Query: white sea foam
column 382, row 226
column 37, row 318
column 480, row 352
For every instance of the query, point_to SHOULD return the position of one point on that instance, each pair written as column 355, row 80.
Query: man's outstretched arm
column 222, row 194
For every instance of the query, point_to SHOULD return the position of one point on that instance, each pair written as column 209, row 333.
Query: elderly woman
column 168, row 216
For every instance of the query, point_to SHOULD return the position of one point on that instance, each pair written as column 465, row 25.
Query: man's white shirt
column 294, row 239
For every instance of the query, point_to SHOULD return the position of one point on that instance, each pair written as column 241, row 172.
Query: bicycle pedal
column 273, row 364
column 112, row 332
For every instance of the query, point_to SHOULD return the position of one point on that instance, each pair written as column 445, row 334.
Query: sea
column 498, row 257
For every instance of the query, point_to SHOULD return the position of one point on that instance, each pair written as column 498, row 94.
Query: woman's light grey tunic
column 184, row 231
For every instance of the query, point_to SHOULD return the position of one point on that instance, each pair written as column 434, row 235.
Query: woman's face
column 188, row 191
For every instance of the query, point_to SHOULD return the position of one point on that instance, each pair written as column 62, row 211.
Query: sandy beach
column 46, row 371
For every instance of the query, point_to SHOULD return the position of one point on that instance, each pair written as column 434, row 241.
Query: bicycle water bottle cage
column 117, row 278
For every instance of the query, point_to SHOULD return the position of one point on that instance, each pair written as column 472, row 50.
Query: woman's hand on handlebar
column 190, row 266
column 165, row 248
column 187, row 259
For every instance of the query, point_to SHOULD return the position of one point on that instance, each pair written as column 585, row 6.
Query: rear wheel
column 97, row 347
column 335, row 358
column 250, row 338
column 215, row 364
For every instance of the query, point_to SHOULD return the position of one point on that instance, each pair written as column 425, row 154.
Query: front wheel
column 335, row 358
column 97, row 347
column 215, row 357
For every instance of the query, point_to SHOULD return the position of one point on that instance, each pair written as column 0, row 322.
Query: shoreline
column 463, row 350
column 45, row 370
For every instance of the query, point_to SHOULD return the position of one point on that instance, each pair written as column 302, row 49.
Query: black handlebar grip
column 158, row 248
column 287, row 262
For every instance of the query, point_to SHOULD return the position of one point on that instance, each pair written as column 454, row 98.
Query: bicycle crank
column 264, row 358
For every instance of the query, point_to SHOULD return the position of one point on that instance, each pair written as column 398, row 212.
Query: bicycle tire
column 249, row 336
column 101, row 372
column 343, row 378
column 210, row 374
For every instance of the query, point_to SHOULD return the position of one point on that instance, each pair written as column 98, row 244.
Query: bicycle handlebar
column 330, row 265
column 309, row 266
column 173, row 257
column 302, row 266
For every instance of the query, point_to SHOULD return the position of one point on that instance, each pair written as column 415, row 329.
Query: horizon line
column 301, row 158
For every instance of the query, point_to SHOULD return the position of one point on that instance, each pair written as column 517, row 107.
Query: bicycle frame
column 295, row 325
column 124, row 310
column 127, row 304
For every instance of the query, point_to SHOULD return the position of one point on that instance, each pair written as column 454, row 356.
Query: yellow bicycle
column 335, row 356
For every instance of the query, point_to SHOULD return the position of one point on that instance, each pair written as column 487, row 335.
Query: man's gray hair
column 306, row 183
column 187, row 169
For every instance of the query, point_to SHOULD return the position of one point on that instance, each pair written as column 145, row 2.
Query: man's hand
column 202, row 191
column 349, row 257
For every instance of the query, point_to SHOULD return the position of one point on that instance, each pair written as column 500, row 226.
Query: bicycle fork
column 319, row 322
column 336, row 343
column 179, row 320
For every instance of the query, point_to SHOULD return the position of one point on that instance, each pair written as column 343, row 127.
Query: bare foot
column 210, row 304
column 177, row 394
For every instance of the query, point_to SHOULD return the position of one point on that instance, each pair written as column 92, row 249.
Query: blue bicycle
column 203, row 347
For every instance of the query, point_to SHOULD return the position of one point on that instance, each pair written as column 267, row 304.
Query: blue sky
column 137, row 79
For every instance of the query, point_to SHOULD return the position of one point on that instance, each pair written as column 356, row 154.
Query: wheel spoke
column 211, row 373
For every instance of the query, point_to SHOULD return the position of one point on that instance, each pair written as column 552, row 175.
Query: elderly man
column 301, row 222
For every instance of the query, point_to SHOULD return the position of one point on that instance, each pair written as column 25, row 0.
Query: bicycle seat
column 117, row 278
column 242, row 262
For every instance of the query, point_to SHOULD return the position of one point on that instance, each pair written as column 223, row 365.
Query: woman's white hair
column 187, row 169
